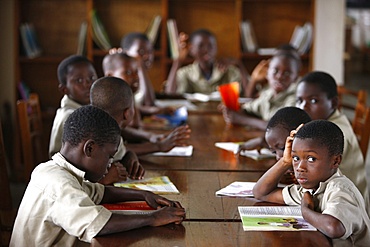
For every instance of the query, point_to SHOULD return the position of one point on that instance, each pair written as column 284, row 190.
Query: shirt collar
column 69, row 103
column 322, row 185
column 62, row 162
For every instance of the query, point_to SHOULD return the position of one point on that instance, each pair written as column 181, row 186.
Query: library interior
column 204, row 169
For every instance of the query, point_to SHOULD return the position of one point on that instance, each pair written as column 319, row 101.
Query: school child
column 281, row 75
column 278, row 129
column 329, row 200
column 61, row 204
column 141, row 142
column 205, row 74
column 76, row 75
column 317, row 94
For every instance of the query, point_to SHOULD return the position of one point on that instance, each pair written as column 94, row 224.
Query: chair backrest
column 347, row 95
column 6, row 199
column 31, row 132
column 361, row 126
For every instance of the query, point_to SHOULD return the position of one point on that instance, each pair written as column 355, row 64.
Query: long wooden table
column 210, row 220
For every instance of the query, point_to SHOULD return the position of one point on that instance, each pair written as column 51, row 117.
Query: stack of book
column 29, row 40
column 99, row 33
column 173, row 36
column 249, row 41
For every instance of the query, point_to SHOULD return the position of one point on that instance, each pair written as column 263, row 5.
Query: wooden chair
column 7, row 214
column 361, row 126
column 31, row 132
column 345, row 95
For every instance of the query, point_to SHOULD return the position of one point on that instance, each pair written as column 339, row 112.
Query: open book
column 264, row 153
column 274, row 218
column 132, row 207
column 237, row 189
column 157, row 185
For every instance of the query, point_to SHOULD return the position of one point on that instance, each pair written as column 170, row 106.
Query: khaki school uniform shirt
column 267, row 104
column 340, row 198
column 59, row 207
column 189, row 79
column 353, row 164
column 67, row 106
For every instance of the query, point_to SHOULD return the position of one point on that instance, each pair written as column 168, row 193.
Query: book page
column 264, row 153
column 237, row 189
column 273, row 218
column 177, row 151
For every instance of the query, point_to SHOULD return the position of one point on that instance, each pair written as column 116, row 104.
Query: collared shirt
column 267, row 104
column 340, row 198
column 59, row 207
column 189, row 79
column 353, row 164
column 67, row 106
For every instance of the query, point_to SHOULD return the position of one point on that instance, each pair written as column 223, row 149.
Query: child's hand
column 259, row 73
column 230, row 116
column 287, row 157
column 134, row 169
column 116, row 173
column 288, row 178
column 307, row 201
column 183, row 46
column 177, row 137
column 251, row 144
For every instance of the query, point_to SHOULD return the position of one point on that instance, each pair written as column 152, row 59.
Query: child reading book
column 61, row 204
column 329, row 201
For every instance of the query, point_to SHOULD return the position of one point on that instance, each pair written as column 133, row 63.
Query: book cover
column 131, row 207
column 153, row 29
column 273, row 218
column 157, row 185
column 264, row 153
column 173, row 36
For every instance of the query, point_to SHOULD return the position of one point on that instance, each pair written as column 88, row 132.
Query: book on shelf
column 153, row 29
column 301, row 38
column 130, row 207
column 248, row 37
column 29, row 39
column 99, row 33
column 81, row 46
column 273, row 218
column 173, row 37
column 157, row 185
column 264, row 153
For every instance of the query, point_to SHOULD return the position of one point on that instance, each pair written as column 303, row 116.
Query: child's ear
column 337, row 160
column 126, row 114
column 89, row 147
column 335, row 102
column 63, row 89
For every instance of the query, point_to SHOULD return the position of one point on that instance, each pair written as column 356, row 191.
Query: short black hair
column 109, row 61
column 291, row 50
column 71, row 60
column 289, row 118
column 111, row 94
column 129, row 39
column 89, row 122
column 324, row 81
column 324, row 133
column 199, row 32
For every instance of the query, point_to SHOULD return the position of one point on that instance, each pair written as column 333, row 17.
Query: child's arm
column 255, row 143
column 171, row 86
column 149, row 93
column 177, row 137
column 134, row 169
column 168, row 211
column 241, row 118
column 266, row 188
column 258, row 77
column 325, row 223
